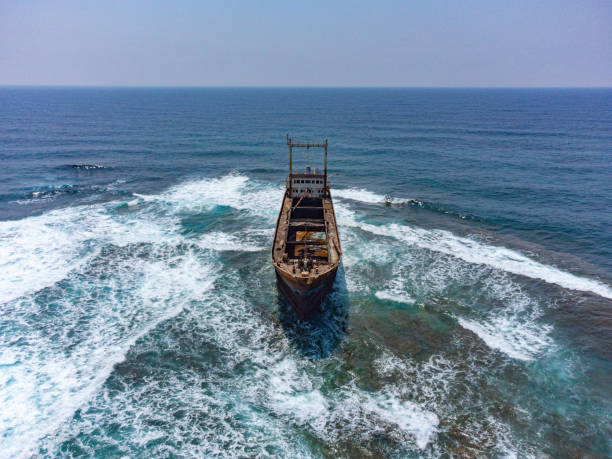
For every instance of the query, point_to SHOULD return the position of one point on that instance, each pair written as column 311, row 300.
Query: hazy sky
column 306, row 43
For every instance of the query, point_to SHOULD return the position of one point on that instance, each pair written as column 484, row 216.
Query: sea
column 139, row 312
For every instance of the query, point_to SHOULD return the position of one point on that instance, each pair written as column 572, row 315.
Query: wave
column 49, row 192
column 292, row 395
column 472, row 251
column 467, row 249
column 521, row 341
column 87, row 284
column 432, row 383
column 239, row 192
column 95, row 281
column 254, row 397
column 233, row 190
column 369, row 197
column 96, row 316
column 488, row 302
column 515, row 330
column 111, row 276
column 38, row 252
column 42, row 194
column 395, row 296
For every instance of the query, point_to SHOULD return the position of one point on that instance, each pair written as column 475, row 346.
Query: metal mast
column 291, row 145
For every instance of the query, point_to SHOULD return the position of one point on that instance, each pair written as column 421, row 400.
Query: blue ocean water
column 140, row 316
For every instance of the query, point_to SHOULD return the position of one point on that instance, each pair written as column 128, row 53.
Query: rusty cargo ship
column 306, row 249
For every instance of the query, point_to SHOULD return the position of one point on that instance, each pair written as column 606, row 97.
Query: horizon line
column 112, row 86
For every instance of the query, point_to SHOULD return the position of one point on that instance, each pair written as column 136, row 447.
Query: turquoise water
column 140, row 315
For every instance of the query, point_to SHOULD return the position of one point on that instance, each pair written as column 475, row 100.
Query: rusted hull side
column 305, row 295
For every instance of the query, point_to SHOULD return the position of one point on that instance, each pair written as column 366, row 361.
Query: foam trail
column 512, row 327
column 475, row 252
column 80, row 286
column 519, row 341
column 282, row 396
column 46, row 381
column 392, row 295
column 363, row 195
column 233, row 190
column 38, row 252
column 409, row 417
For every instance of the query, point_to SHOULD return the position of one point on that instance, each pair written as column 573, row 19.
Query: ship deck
column 306, row 244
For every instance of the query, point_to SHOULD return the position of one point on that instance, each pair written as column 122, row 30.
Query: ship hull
column 305, row 295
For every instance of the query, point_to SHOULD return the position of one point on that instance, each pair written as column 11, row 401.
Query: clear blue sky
column 306, row 43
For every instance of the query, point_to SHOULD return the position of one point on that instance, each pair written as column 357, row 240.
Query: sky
column 477, row 43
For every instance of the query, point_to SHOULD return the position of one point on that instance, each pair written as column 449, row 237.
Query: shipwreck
column 306, row 250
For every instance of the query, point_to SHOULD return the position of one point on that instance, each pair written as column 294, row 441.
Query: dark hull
column 304, row 297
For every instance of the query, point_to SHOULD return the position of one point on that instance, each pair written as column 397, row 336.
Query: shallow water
column 140, row 314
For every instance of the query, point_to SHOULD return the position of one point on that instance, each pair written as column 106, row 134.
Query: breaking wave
column 253, row 396
column 468, row 249
column 369, row 197
column 98, row 299
column 391, row 295
column 363, row 195
column 475, row 252
column 522, row 341
column 106, row 286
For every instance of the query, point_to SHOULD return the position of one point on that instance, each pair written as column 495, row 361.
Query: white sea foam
column 52, row 376
column 37, row 252
column 233, row 190
column 145, row 197
column 246, row 413
column 356, row 194
column 221, row 241
column 393, row 295
column 104, row 305
column 408, row 416
column 434, row 382
column 221, row 408
column 517, row 329
column 512, row 326
column 363, row 195
column 251, row 240
column 522, row 341
column 517, row 338
column 428, row 383
column 467, row 249
column 478, row 253
column 294, row 394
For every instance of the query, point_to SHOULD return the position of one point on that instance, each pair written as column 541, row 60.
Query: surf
column 123, row 269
